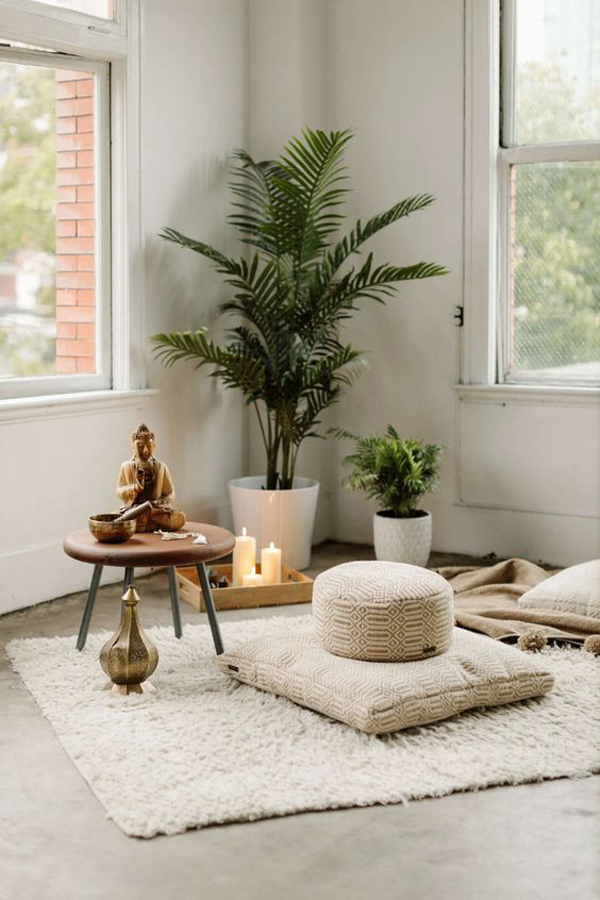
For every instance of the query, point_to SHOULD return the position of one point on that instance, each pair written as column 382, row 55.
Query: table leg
column 89, row 607
column 127, row 582
column 127, row 578
column 175, row 608
column 210, row 608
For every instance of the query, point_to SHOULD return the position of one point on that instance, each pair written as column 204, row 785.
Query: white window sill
column 23, row 409
column 528, row 393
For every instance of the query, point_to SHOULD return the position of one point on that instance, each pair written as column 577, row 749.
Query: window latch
column 459, row 316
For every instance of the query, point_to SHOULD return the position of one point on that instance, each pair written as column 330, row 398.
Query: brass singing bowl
column 107, row 531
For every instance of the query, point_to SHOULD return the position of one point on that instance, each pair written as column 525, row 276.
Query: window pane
column 103, row 9
column 557, row 79
column 555, row 262
column 47, row 222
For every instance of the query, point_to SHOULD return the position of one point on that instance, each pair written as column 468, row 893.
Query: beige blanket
column 485, row 600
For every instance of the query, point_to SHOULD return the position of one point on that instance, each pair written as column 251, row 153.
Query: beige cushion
column 383, row 611
column 574, row 590
column 379, row 697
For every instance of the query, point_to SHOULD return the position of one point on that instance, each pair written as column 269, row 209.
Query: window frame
column 101, row 380
column 75, row 40
column 21, row 15
column 489, row 154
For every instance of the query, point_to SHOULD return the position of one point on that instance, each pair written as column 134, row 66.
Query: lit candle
column 270, row 564
column 252, row 579
column 244, row 556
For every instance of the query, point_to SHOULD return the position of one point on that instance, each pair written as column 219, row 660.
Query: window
column 532, row 193
column 103, row 9
column 549, row 328
column 54, row 288
column 65, row 279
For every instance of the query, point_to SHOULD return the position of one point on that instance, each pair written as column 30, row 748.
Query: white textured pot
column 403, row 540
column 285, row 517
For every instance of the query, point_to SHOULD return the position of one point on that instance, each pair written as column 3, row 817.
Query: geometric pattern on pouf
column 382, row 697
column 383, row 611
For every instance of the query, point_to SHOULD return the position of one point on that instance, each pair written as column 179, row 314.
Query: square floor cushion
column 574, row 590
column 381, row 697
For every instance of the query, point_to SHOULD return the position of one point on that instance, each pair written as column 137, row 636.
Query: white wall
column 518, row 478
column 520, row 475
column 58, row 469
column 288, row 91
column 222, row 73
column 194, row 111
column 288, row 71
column 396, row 77
column 369, row 51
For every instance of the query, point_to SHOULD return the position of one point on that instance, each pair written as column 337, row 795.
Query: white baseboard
column 477, row 531
column 540, row 537
column 40, row 572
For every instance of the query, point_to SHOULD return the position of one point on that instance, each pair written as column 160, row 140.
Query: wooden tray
column 295, row 588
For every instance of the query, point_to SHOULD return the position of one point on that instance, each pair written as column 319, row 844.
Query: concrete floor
column 532, row 841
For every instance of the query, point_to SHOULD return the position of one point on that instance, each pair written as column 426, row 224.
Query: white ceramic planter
column 285, row 517
column 403, row 540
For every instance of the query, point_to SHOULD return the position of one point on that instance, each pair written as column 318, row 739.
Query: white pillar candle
column 252, row 579
column 244, row 556
column 270, row 564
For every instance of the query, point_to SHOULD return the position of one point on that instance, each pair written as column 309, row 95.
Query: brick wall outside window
column 75, row 224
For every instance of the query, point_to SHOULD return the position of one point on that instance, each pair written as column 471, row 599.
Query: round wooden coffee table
column 144, row 550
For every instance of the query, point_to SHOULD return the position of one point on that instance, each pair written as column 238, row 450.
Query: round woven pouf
column 383, row 611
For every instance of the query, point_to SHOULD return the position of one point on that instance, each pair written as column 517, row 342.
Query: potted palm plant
column 291, row 291
column 396, row 473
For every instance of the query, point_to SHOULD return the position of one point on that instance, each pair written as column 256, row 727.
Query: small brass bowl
column 107, row 531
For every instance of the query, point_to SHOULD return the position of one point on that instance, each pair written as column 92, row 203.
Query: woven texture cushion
column 381, row 697
column 383, row 611
column 574, row 590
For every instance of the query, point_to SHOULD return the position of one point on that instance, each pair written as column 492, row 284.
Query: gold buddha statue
column 144, row 478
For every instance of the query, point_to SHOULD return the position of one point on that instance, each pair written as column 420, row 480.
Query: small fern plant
column 393, row 471
column 292, row 289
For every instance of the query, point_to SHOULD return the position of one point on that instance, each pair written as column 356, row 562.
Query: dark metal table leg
column 89, row 607
column 175, row 608
column 127, row 578
column 210, row 608
column 127, row 582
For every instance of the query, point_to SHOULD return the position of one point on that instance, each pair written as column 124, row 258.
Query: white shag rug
column 204, row 749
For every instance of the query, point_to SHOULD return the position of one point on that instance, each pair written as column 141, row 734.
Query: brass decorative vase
column 129, row 657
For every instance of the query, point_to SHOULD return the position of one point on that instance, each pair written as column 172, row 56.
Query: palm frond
column 223, row 263
column 236, row 367
column 258, row 215
column 353, row 241
column 313, row 188
column 367, row 284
